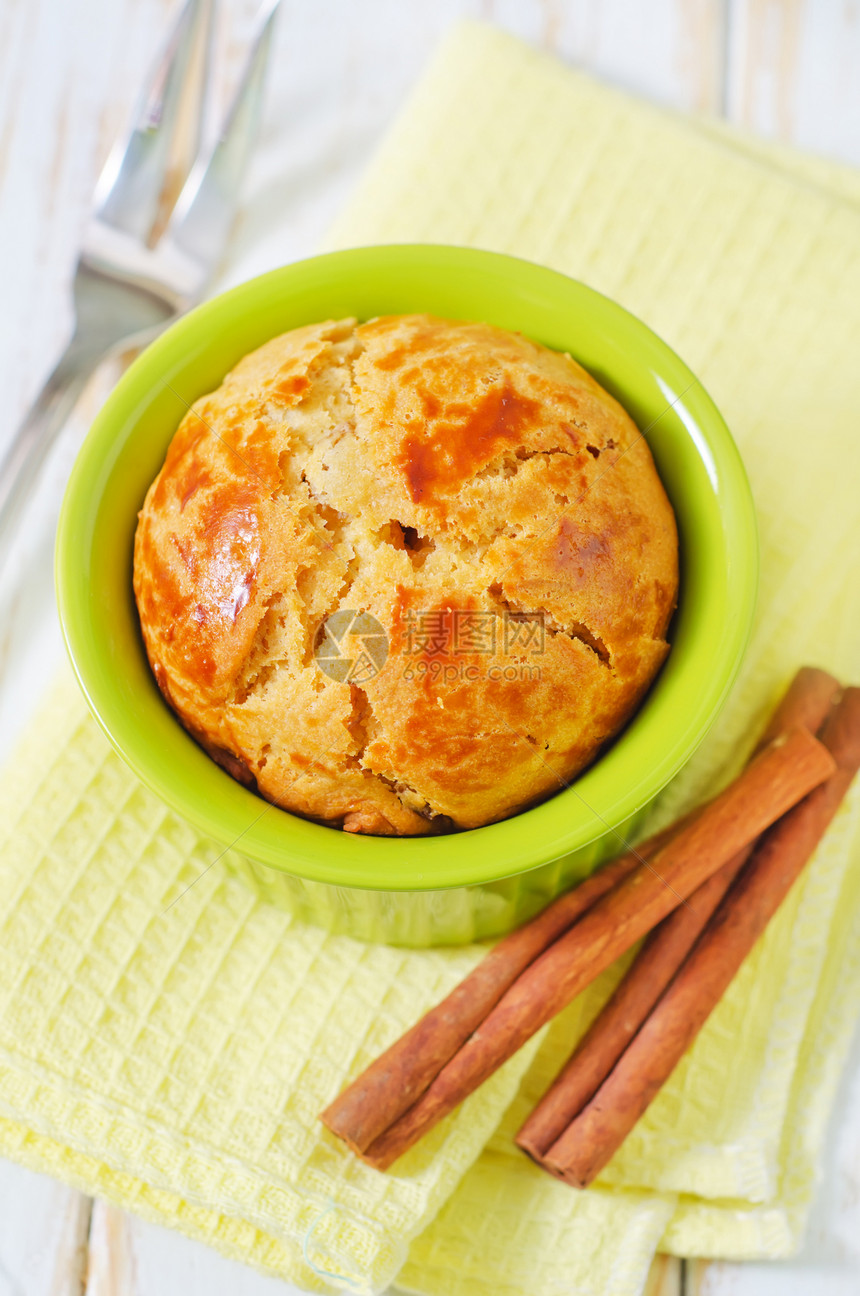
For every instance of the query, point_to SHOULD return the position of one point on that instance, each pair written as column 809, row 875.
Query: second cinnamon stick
column 807, row 702
column 598, row 1131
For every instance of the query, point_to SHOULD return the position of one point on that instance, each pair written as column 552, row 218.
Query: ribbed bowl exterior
column 420, row 919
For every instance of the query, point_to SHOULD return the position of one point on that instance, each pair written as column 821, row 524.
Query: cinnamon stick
column 783, row 773
column 807, row 702
column 390, row 1085
column 598, row 1131
column 603, row 1044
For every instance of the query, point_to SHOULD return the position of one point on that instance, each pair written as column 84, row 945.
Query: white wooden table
column 789, row 69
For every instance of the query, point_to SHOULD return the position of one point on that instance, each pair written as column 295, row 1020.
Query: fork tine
column 147, row 168
column 205, row 209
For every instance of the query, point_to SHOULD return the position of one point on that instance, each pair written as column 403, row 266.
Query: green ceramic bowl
column 380, row 888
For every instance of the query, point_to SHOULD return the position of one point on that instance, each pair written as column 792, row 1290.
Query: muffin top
column 405, row 575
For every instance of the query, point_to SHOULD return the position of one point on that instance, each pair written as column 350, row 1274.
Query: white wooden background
column 789, row 69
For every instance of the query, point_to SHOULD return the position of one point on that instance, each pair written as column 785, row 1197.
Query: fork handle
column 22, row 463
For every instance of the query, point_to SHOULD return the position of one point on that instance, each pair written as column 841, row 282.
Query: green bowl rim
column 422, row 863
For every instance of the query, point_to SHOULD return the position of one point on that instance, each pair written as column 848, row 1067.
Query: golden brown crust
column 478, row 495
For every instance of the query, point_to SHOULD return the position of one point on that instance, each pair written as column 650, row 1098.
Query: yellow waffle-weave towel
column 174, row 1059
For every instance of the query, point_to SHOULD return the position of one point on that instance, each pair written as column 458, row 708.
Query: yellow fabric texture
column 173, row 1056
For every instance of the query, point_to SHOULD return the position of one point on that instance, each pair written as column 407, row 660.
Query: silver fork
column 161, row 216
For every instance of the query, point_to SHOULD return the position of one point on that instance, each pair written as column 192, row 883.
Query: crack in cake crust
column 574, row 630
